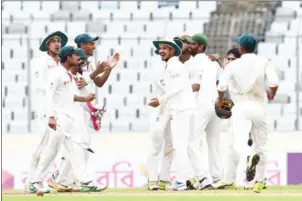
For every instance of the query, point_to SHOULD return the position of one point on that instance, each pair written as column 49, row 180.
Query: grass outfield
column 286, row 193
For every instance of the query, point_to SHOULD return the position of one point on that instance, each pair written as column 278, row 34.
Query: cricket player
column 63, row 120
column 198, row 180
column 85, row 81
column 179, row 100
column 246, row 79
column 232, row 55
column 206, row 119
column 42, row 69
column 187, row 59
column 160, row 137
column 65, row 180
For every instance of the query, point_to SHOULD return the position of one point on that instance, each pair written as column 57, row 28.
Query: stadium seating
column 129, row 27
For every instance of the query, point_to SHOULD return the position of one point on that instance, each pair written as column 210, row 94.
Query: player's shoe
column 26, row 187
column 216, row 180
column 192, row 184
column 264, row 183
column 164, row 185
column 152, row 186
column 248, row 185
column 200, row 185
column 224, row 185
column 258, row 187
column 91, row 187
column 179, row 186
column 34, row 187
column 250, row 172
column 61, row 187
column 204, row 184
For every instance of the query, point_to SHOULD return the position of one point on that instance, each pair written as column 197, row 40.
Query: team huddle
column 193, row 92
column 64, row 80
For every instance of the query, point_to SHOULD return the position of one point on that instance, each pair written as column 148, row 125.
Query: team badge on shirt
column 162, row 82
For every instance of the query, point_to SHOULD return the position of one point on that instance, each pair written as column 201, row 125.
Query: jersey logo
column 175, row 75
column 162, row 82
column 51, row 85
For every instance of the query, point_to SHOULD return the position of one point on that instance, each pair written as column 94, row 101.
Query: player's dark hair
column 63, row 60
column 235, row 52
column 250, row 50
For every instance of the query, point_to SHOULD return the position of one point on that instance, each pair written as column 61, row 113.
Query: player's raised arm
column 111, row 63
column 273, row 80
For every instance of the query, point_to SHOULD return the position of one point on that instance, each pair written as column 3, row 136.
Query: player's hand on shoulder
column 52, row 123
column 90, row 97
column 154, row 102
column 81, row 83
column 214, row 57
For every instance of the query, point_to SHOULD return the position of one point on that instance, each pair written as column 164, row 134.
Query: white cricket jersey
column 207, row 71
column 179, row 94
column 87, row 70
column 246, row 78
column 60, row 93
column 78, row 106
column 158, row 86
column 43, row 67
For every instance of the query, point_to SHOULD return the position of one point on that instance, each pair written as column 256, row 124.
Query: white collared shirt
column 246, row 78
column 207, row 72
column 179, row 95
column 42, row 68
column 193, row 72
column 60, row 93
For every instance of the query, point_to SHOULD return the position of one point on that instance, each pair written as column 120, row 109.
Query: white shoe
column 35, row 187
column 248, row 185
column 204, row 184
column 179, row 186
column 92, row 187
column 26, row 187
column 152, row 186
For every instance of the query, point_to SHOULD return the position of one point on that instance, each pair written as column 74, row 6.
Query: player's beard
column 192, row 52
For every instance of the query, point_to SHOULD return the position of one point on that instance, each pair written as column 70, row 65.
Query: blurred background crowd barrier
column 130, row 27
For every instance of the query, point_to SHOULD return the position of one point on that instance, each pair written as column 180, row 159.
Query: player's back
column 207, row 92
column 249, row 74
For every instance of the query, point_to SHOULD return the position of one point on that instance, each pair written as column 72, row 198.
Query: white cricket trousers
column 208, row 123
column 42, row 130
column 182, row 128
column 247, row 116
column 66, row 174
column 65, row 124
column 160, row 138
